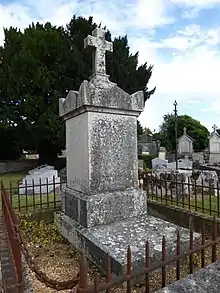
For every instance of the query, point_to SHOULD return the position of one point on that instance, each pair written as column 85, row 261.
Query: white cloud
column 190, row 73
column 190, row 13
column 197, row 3
column 13, row 15
column 151, row 14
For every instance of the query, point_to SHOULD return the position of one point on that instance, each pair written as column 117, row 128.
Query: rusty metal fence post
column 11, row 223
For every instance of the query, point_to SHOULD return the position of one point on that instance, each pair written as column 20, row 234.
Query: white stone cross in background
column 98, row 41
column 184, row 130
column 215, row 127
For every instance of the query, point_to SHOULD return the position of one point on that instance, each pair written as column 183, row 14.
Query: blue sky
column 181, row 38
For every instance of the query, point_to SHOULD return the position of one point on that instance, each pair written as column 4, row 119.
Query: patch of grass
column 11, row 179
column 27, row 203
column 209, row 205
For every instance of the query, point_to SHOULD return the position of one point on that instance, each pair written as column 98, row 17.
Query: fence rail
column 35, row 195
column 210, row 245
column 192, row 194
column 83, row 286
column 12, row 226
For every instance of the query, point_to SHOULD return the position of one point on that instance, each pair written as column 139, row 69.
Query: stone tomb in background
column 103, row 210
column 158, row 163
column 214, row 146
column 43, row 179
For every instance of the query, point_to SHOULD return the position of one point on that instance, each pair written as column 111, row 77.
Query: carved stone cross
column 184, row 130
column 98, row 41
column 215, row 127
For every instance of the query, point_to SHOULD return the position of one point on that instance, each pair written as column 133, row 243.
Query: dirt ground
column 58, row 262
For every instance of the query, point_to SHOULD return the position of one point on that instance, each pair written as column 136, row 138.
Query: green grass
column 27, row 203
column 210, row 205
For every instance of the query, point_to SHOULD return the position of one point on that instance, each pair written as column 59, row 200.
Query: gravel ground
column 1, row 285
column 60, row 262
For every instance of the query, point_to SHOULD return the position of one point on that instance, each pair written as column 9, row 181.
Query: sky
column 180, row 38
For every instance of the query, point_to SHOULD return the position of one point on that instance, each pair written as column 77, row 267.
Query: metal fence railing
column 11, row 223
column 31, row 196
column 192, row 194
column 206, row 251
column 199, row 250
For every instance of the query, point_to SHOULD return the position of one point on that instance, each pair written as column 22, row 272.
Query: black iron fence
column 194, row 194
column 31, row 196
column 166, row 271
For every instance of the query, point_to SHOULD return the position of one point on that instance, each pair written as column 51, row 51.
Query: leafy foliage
column 39, row 232
column 194, row 129
column 41, row 64
column 147, row 159
column 10, row 147
column 139, row 129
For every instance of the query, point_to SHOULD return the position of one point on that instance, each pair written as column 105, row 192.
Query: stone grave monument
column 198, row 157
column 214, row 146
column 162, row 153
column 182, row 164
column 102, row 208
column 158, row 163
column 185, row 144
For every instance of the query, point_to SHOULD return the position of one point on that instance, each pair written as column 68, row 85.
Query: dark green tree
column 10, row 146
column 32, row 69
column 195, row 129
column 42, row 64
column 139, row 129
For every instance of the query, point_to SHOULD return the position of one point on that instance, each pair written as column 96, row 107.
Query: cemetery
column 103, row 231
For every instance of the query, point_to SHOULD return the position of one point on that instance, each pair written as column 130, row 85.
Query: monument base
column 104, row 208
column 114, row 239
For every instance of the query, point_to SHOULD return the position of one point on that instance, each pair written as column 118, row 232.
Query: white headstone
column 158, row 163
column 196, row 157
column 182, row 164
column 40, row 180
column 162, row 153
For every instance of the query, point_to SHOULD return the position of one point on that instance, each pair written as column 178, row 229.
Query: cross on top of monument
column 98, row 41
column 215, row 127
column 184, row 130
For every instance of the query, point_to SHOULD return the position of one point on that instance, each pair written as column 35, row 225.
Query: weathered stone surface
column 101, row 130
column 203, row 281
column 214, row 146
column 101, row 152
column 158, row 163
column 116, row 237
column 98, row 41
column 108, row 97
column 185, row 143
column 104, row 208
